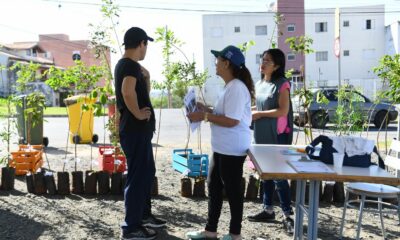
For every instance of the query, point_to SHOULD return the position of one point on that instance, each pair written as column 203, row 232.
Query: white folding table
column 271, row 163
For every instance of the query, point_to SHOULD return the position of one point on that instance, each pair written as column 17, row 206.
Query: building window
column 368, row 54
column 28, row 52
column 321, row 56
column 369, row 24
column 47, row 54
column 291, row 27
column 258, row 58
column 291, row 57
column 237, row 29
column 217, row 32
column 346, row 53
column 346, row 23
column 261, row 30
column 321, row 27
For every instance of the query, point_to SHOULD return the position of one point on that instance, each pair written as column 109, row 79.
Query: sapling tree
column 34, row 101
column 302, row 45
column 388, row 71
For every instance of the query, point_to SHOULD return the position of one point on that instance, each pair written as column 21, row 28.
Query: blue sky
column 23, row 20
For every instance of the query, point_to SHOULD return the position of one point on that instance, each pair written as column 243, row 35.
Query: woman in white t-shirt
column 230, row 138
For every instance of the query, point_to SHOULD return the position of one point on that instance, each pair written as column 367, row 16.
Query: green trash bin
column 36, row 132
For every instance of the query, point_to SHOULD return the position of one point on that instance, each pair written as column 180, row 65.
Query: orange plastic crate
column 26, row 161
column 23, row 147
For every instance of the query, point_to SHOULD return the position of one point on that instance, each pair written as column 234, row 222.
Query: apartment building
column 220, row 30
column 363, row 40
column 362, row 43
column 392, row 38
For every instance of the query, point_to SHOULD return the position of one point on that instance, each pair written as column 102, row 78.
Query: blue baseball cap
column 231, row 53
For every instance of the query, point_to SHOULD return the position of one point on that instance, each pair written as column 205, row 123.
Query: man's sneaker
column 263, row 216
column 288, row 225
column 153, row 222
column 141, row 234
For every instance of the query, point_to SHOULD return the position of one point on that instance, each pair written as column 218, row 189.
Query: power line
column 305, row 12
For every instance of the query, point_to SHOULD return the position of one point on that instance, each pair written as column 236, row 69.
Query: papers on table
column 310, row 166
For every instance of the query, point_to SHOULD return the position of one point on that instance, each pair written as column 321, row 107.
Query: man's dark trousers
column 141, row 171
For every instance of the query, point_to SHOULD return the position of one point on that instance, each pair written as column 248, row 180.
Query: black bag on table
column 327, row 150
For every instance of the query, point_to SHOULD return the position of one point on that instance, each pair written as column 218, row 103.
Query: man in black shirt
column 137, row 125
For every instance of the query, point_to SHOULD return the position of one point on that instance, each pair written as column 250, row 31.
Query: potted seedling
column 179, row 76
column 252, row 187
column 111, row 157
column 7, row 172
column 34, row 112
column 30, row 120
column 82, row 79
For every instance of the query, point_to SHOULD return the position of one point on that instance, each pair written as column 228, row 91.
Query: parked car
column 321, row 114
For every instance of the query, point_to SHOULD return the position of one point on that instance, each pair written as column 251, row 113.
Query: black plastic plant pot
column 77, row 182
column 252, row 188
column 116, row 182
column 91, row 182
column 50, row 183
column 30, row 186
column 63, row 183
column 154, row 187
column 199, row 189
column 186, row 187
column 327, row 195
column 338, row 192
column 7, row 178
column 39, row 183
column 103, row 180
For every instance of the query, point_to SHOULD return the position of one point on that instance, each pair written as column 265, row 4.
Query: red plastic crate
column 106, row 159
column 108, row 148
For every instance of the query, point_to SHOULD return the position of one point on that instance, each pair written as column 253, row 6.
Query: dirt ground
column 28, row 216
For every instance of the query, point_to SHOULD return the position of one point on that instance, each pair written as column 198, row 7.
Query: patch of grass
column 55, row 111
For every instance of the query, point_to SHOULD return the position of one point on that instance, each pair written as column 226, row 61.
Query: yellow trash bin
column 80, row 122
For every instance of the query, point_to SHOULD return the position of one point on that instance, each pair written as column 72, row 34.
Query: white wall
column 225, row 25
column 392, row 38
column 365, row 47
